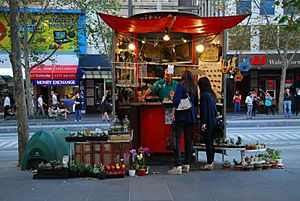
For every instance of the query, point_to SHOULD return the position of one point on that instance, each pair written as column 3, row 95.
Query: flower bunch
column 138, row 157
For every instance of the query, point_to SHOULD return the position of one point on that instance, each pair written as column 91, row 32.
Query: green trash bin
column 45, row 146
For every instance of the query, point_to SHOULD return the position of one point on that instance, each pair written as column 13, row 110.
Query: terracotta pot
column 226, row 167
column 142, row 172
column 238, row 167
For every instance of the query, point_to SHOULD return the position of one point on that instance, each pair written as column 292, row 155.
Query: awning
column 184, row 24
column 55, row 72
column 96, row 74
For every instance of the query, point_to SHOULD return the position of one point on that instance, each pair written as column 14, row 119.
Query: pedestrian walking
column 287, row 103
column 184, row 121
column 40, row 106
column 249, row 102
column 7, row 106
column 297, row 101
column 104, row 109
column 237, row 102
column 208, row 116
column 78, row 106
column 255, row 103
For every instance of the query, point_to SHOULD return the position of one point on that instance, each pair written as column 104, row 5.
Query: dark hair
column 188, row 82
column 205, row 86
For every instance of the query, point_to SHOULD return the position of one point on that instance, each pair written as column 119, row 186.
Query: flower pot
column 238, row 167
column 226, row 167
column 279, row 161
column 257, row 167
column 266, row 166
column 142, row 172
column 131, row 173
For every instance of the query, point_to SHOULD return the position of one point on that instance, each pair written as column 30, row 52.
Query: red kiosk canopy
column 67, row 72
column 184, row 24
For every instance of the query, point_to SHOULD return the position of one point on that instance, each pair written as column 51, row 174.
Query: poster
column 56, row 31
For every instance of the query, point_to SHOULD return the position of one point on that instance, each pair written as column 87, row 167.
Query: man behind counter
column 163, row 88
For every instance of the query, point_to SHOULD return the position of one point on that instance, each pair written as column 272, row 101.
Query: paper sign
column 170, row 69
column 65, row 160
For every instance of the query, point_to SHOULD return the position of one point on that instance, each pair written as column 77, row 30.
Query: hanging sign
column 210, row 54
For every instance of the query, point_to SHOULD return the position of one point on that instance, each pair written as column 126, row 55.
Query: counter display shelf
column 244, row 152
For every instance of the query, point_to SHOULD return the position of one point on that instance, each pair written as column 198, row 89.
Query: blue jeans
column 187, row 128
column 78, row 114
column 287, row 108
column 237, row 106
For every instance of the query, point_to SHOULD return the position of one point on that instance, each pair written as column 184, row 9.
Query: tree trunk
column 28, row 91
column 15, row 58
column 282, row 83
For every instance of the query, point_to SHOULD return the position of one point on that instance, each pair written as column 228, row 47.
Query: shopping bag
column 171, row 139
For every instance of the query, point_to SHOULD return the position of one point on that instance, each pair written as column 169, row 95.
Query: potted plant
column 257, row 166
column 237, row 165
column 141, row 157
column 132, row 166
column 226, row 165
column 248, row 166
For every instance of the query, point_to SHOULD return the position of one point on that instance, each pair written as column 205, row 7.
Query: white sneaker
column 185, row 168
column 175, row 170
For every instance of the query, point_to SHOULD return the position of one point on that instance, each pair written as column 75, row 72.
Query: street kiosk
column 148, row 43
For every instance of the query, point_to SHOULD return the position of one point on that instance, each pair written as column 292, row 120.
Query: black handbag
column 219, row 128
column 171, row 139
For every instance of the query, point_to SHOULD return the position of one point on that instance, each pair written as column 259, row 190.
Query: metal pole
column 224, row 83
column 130, row 8
column 113, row 85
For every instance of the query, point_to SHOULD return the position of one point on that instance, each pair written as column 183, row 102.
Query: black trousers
column 209, row 142
column 6, row 109
column 187, row 128
column 297, row 104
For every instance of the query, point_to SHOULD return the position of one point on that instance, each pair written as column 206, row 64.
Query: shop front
column 61, row 79
column 265, row 74
column 147, row 44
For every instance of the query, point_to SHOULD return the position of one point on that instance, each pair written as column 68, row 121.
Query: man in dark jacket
column 78, row 106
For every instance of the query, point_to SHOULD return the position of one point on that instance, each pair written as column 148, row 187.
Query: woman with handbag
column 183, row 113
column 208, row 116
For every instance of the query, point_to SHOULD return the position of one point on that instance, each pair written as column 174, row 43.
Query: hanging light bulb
column 200, row 48
column 166, row 36
column 183, row 40
column 131, row 46
column 144, row 40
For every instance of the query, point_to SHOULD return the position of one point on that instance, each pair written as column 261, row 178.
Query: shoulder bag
column 185, row 103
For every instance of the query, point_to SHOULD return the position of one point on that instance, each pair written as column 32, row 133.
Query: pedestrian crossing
column 249, row 135
column 274, row 135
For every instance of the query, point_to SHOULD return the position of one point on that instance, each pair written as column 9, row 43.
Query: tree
column 15, row 57
column 284, row 37
column 281, row 35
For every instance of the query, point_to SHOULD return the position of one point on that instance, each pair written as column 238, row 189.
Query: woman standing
column 268, row 103
column 208, row 115
column 237, row 102
column 184, row 120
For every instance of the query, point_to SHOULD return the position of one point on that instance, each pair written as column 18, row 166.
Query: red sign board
column 54, row 73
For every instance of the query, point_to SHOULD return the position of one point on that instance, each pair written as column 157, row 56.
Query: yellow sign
column 55, row 31
column 211, row 53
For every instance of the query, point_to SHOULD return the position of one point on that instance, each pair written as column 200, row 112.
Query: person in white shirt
column 40, row 104
column 54, row 98
column 6, row 106
column 249, row 102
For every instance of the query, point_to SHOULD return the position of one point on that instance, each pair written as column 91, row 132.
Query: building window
column 267, row 41
column 239, row 38
column 243, row 7
column 267, row 7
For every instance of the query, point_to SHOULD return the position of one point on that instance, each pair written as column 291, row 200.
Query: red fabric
column 68, row 72
column 184, row 24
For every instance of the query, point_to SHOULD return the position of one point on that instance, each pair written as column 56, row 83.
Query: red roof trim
column 184, row 24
